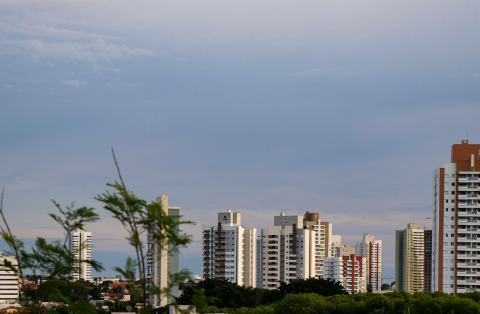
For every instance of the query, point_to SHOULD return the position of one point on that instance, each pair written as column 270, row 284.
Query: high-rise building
column 334, row 242
column 456, row 221
column 371, row 249
column 411, row 247
column 80, row 243
column 8, row 280
column 162, row 261
column 347, row 268
column 286, row 252
column 322, row 233
column 230, row 250
column 428, row 261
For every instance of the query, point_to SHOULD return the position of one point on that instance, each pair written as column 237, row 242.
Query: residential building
column 411, row 247
column 371, row 249
column 286, row 252
column 9, row 291
column 162, row 261
column 428, row 261
column 230, row 250
column 323, row 239
column 347, row 268
column 456, row 221
column 334, row 242
column 80, row 243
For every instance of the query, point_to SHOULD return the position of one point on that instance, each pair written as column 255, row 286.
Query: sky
column 339, row 107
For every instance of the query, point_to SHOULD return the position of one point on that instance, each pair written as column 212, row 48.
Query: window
column 453, row 184
column 446, row 201
column 452, row 252
column 452, row 235
column 446, row 209
column 452, row 201
column 452, row 243
column 446, row 235
column 452, row 218
column 453, row 193
column 452, row 226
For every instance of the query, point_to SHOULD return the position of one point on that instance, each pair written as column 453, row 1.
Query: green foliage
column 226, row 294
column 363, row 303
column 137, row 217
column 95, row 292
column 308, row 303
column 52, row 260
column 222, row 294
column 320, row 286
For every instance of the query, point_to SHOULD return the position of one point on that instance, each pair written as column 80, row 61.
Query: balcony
column 468, row 221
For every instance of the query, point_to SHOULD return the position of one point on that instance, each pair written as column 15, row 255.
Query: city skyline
column 257, row 107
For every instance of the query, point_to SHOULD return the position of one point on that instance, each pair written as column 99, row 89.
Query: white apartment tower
column 162, row 261
column 456, row 221
column 230, row 250
column 286, row 252
column 80, row 243
column 371, row 249
column 8, row 280
column 347, row 268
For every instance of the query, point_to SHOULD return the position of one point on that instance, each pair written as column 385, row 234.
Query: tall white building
column 456, row 221
column 321, row 231
column 371, row 249
column 80, row 243
column 230, row 250
column 287, row 252
column 9, row 291
column 162, row 261
column 347, row 268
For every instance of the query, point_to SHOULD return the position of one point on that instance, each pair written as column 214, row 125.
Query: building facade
column 80, row 243
column 411, row 246
column 294, row 247
column 456, row 221
column 347, row 268
column 230, row 250
column 9, row 290
column 371, row 249
column 162, row 261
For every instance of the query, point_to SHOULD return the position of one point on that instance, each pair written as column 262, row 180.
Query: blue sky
column 262, row 107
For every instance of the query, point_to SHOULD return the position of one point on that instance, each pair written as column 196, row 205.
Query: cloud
column 91, row 52
column 75, row 83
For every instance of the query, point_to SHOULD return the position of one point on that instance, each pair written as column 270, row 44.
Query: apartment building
column 162, row 260
column 287, row 251
column 230, row 250
column 347, row 268
column 412, row 253
column 456, row 221
column 323, row 239
column 371, row 249
column 9, row 290
column 80, row 243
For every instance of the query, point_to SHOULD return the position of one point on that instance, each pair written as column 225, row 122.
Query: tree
column 52, row 259
column 137, row 217
column 320, row 286
column 95, row 292
column 222, row 293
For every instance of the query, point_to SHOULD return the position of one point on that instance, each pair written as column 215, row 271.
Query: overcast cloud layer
column 262, row 107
